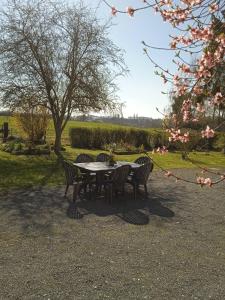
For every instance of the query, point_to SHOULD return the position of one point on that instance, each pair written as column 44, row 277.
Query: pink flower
column 200, row 180
column 114, row 11
column 208, row 133
column 176, row 79
column 197, row 90
column 213, row 7
column 208, row 181
column 185, row 68
column 186, row 110
column 218, row 99
column 204, row 181
column 130, row 11
column 200, row 108
column 162, row 150
column 173, row 45
column 168, row 174
column 175, row 135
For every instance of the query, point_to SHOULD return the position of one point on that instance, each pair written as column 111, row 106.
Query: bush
column 98, row 138
column 218, row 142
column 33, row 120
column 18, row 148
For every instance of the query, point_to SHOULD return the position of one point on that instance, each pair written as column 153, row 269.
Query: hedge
column 97, row 138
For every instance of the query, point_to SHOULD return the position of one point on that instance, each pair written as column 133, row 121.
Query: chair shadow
column 124, row 207
column 35, row 210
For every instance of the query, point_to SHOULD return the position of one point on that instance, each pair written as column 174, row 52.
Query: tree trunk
column 58, row 135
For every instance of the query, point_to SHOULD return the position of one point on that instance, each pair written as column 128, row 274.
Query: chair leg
column 123, row 191
column 76, row 188
column 146, row 190
column 135, row 191
column 67, row 186
column 110, row 194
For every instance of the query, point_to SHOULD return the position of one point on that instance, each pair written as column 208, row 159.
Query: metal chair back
column 120, row 175
column 142, row 160
column 142, row 173
column 83, row 157
column 102, row 157
column 71, row 172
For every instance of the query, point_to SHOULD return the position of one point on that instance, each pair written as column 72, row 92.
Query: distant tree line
column 143, row 122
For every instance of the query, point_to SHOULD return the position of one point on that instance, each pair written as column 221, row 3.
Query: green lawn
column 24, row 171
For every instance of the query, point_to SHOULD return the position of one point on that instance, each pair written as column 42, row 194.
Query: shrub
column 218, row 142
column 33, row 120
column 18, row 148
column 99, row 138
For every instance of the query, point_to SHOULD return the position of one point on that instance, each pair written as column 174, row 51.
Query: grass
column 25, row 171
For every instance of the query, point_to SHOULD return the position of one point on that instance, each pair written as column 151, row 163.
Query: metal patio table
column 100, row 168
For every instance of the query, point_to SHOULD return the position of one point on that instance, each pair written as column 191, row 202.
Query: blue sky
column 141, row 89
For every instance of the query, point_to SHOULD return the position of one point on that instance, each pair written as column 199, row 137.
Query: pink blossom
column 204, row 34
column 195, row 120
column 184, row 68
column 130, row 11
column 114, row 11
column 208, row 181
column 197, row 90
column 213, row 7
column 218, row 99
column 200, row 108
column 208, row 133
column 204, row 181
column 168, row 174
column 173, row 45
column 186, row 110
column 176, row 135
column 176, row 79
column 162, row 150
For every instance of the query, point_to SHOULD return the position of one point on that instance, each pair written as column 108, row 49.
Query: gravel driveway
column 169, row 246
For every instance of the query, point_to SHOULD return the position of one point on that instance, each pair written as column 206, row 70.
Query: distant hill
column 131, row 121
column 5, row 113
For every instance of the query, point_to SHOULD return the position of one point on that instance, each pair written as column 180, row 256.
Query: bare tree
column 60, row 55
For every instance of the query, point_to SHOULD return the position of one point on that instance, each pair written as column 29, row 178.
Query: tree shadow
column 32, row 210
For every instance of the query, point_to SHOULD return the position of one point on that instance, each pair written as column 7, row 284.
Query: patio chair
column 142, row 160
column 72, row 178
column 88, row 178
column 116, row 183
column 140, row 177
column 83, row 157
column 102, row 157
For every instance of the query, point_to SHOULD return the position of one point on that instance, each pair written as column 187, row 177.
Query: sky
column 141, row 88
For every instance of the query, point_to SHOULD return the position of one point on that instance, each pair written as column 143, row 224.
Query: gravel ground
column 169, row 246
